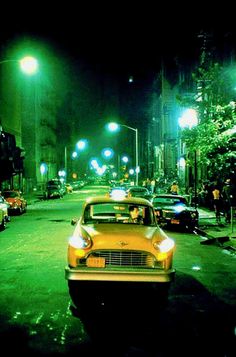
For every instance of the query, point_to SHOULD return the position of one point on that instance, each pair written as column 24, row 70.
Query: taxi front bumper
column 140, row 275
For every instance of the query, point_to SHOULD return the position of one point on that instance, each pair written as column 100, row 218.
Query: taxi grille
column 126, row 258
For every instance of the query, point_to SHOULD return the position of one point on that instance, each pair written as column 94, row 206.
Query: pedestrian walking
column 227, row 193
column 217, row 202
column 152, row 185
column 174, row 189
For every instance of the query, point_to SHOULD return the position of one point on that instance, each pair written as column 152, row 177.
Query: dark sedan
column 173, row 210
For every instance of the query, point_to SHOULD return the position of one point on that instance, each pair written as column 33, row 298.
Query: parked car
column 105, row 247
column 17, row 203
column 174, row 210
column 4, row 206
column 55, row 189
column 2, row 220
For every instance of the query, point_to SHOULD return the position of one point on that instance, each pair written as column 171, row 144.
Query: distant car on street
column 117, row 192
column 139, row 191
column 174, row 210
column 55, row 189
column 107, row 246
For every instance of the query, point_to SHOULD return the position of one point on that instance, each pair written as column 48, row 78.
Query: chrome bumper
column 97, row 274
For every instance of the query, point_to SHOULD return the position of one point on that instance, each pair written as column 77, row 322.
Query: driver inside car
column 134, row 216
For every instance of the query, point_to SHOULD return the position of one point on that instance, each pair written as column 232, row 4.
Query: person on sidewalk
column 216, row 202
column 227, row 193
column 174, row 189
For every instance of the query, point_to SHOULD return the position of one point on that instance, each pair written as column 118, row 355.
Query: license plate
column 96, row 262
column 175, row 221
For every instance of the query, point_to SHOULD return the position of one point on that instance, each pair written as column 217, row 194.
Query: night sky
column 123, row 39
column 120, row 37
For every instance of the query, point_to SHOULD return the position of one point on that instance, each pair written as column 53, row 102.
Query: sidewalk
column 222, row 234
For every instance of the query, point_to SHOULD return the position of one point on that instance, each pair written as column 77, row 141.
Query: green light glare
column 113, row 126
column 29, row 65
column 196, row 267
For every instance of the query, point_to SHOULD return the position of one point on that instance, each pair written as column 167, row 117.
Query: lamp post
column 65, row 153
column 28, row 65
column 80, row 146
column 114, row 127
column 189, row 120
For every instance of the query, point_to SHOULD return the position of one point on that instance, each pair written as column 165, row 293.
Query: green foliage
column 216, row 113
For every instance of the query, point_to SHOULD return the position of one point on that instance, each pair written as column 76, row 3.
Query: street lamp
column 189, row 120
column 81, row 145
column 28, row 64
column 114, row 127
column 65, row 158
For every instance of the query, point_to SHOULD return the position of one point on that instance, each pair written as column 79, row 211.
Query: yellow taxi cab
column 107, row 247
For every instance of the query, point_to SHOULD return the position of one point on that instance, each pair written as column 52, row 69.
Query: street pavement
column 222, row 234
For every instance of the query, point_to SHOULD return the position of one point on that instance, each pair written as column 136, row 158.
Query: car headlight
column 79, row 242
column 179, row 208
column 118, row 194
column 164, row 246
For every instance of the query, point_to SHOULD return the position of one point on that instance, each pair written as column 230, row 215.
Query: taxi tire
column 161, row 293
column 77, row 292
column 85, row 295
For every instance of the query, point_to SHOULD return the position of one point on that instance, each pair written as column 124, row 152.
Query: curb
column 219, row 241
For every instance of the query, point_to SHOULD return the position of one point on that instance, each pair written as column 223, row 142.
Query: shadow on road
column 133, row 321
column 126, row 320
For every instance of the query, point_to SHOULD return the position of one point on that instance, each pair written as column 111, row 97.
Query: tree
column 216, row 116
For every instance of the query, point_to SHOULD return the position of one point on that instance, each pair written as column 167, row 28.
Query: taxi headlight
column 165, row 246
column 80, row 242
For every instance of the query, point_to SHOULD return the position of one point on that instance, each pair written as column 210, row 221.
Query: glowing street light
column 28, row 64
column 107, row 153
column 114, row 127
column 188, row 119
column 125, row 159
column 81, row 144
